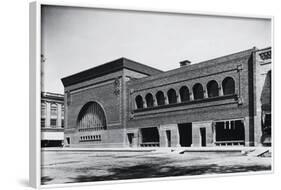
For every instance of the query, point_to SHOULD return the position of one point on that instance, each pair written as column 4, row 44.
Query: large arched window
column 160, row 98
column 91, row 117
column 213, row 89
column 149, row 100
column 139, row 102
column 228, row 86
column 172, row 96
column 184, row 94
column 198, row 92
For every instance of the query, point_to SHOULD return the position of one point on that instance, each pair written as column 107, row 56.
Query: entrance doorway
column 150, row 137
column 230, row 132
column 68, row 140
column 130, row 138
column 203, row 136
column 185, row 133
column 51, row 143
column 168, row 134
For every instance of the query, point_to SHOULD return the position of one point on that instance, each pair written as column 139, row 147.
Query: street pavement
column 60, row 167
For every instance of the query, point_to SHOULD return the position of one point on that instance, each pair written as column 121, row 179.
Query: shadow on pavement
column 45, row 179
column 156, row 170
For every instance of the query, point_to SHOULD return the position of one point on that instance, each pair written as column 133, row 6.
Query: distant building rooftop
column 107, row 68
column 53, row 96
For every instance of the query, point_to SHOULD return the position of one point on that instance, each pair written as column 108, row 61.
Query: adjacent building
column 220, row 102
column 263, row 93
column 52, row 119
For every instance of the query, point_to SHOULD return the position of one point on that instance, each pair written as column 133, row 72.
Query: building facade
column 219, row 102
column 52, row 119
column 263, row 93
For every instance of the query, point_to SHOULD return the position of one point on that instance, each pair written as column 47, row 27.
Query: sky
column 75, row 39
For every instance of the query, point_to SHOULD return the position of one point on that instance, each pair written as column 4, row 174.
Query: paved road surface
column 68, row 167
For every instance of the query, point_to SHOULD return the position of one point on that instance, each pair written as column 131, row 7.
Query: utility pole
column 43, row 60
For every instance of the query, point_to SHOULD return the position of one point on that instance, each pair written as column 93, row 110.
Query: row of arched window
column 228, row 88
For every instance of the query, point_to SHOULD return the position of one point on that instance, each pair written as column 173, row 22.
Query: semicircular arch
column 92, row 117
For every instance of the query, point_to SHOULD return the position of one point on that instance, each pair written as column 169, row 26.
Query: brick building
column 263, row 93
column 220, row 102
column 52, row 119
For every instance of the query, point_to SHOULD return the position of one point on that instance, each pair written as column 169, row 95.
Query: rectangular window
column 62, row 111
column 62, row 123
column 54, row 110
column 267, row 120
column 53, row 122
column 43, row 109
column 42, row 122
column 232, row 125
column 227, row 127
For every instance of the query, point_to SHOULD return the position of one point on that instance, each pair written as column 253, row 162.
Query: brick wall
column 239, row 66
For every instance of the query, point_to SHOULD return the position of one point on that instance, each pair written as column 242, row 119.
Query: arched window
column 198, row 92
column 139, row 102
column 172, row 96
column 184, row 94
column 149, row 100
column 213, row 89
column 160, row 98
column 228, row 86
column 91, row 116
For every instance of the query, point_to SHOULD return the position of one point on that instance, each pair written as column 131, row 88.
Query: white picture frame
column 35, row 86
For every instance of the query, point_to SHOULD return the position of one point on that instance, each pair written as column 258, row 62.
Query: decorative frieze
column 265, row 55
column 117, row 87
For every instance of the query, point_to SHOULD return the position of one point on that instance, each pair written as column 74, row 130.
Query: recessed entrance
column 168, row 134
column 230, row 132
column 68, row 140
column 203, row 136
column 150, row 137
column 130, row 138
column 185, row 133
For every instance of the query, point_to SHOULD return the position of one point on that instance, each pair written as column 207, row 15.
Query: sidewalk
column 163, row 149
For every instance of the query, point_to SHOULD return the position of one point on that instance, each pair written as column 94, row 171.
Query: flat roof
column 52, row 96
column 109, row 67
column 196, row 66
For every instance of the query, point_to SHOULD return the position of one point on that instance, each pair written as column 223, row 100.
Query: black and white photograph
column 140, row 94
